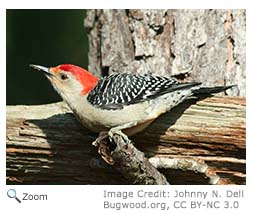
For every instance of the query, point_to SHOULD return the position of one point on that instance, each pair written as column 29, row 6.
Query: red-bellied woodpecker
column 128, row 102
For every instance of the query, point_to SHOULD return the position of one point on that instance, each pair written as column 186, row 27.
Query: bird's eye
column 63, row 76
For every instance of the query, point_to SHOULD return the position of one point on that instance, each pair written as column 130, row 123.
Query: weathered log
column 46, row 144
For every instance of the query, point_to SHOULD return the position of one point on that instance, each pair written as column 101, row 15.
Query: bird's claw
column 118, row 132
column 101, row 137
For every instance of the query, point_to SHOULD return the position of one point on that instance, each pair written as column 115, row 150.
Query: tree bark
column 201, row 45
column 46, row 145
column 206, row 46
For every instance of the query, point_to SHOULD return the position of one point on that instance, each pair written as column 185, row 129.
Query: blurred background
column 43, row 37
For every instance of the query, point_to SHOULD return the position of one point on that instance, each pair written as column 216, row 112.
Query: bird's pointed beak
column 45, row 70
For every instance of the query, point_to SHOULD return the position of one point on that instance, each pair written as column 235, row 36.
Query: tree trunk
column 206, row 46
column 46, row 145
column 201, row 45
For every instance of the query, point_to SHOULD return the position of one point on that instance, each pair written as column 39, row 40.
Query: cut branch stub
column 128, row 160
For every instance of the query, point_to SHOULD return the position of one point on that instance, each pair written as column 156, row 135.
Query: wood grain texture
column 47, row 145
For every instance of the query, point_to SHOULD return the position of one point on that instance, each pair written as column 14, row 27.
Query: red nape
column 87, row 80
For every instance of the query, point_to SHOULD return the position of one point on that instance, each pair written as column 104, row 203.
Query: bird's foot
column 115, row 131
column 102, row 136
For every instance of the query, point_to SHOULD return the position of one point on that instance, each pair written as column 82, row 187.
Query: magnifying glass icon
column 11, row 193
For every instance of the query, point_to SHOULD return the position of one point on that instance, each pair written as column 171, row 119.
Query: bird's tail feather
column 210, row 90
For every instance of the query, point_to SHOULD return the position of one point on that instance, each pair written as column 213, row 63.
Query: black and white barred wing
column 118, row 90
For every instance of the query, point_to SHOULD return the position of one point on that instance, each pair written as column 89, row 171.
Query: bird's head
column 69, row 79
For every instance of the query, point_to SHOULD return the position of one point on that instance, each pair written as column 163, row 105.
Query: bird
column 121, row 102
